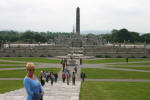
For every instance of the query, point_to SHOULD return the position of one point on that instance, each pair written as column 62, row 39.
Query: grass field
column 141, row 63
column 97, row 73
column 32, row 59
column 22, row 73
column 6, row 85
column 115, row 91
column 113, row 60
column 1, row 62
column 12, row 66
column 124, row 67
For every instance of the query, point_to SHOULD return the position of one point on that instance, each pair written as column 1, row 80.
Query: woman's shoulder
column 26, row 78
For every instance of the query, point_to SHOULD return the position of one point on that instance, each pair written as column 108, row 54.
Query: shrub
column 144, row 57
column 50, row 55
column 107, row 56
column 42, row 56
column 98, row 56
column 30, row 56
column 119, row 56
column 7, row 56
column 132, row 56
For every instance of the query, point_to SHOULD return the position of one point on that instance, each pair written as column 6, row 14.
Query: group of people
column 66, row 75
column 46, row 76
column 33, row 86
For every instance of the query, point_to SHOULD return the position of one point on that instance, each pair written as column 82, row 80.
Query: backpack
column 63, row 75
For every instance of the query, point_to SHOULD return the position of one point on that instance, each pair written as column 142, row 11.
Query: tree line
column 30, row 36
column 119, row 36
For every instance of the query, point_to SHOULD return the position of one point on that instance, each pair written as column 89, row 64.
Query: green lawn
column 1, row 62
column 112, row 60
column 141, row 63
column 32, row 59
column 115, row 91
column 22, row 73
column 6, row 86
column 128, row 67
column 12, row 66
column 97, row 73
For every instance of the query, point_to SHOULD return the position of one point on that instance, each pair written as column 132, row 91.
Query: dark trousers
column 63, row 79
column 51, row 81
column 82, row 79
column 73, row 81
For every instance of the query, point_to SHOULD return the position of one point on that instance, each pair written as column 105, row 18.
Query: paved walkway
column 59, row 91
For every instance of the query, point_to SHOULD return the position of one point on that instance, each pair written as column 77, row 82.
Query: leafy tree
column 107, row 37
column 114, row 36
column 27, row 36
column 145, row 38
column 134, row 37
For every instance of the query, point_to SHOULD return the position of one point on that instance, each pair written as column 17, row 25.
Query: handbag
column 37, row 96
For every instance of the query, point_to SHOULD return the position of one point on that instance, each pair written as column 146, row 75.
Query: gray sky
column 59, row 15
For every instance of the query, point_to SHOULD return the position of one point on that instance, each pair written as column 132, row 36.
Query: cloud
column 59, row 15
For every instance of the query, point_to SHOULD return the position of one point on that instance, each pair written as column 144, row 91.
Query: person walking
column 41, row 78
column 83, row 76
column 56, row 77
column 32, row 85
column 73, row 78
column 68, row 76
column 127, row 59
column 63, row 65
column 63, row 77
column 47, row 76
column 52, row 78
column 75, row 68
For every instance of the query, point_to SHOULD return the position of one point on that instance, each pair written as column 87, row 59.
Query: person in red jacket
column 63, row 76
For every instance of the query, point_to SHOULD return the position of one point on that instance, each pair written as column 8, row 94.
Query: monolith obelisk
column 78, row 21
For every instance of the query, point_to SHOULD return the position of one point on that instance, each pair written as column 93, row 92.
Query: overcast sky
column 60, row 15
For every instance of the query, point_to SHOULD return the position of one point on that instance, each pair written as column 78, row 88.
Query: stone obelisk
column 78, row 22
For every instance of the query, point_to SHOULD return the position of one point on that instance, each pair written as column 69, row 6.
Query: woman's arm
column 27, row 86
column 42, row 90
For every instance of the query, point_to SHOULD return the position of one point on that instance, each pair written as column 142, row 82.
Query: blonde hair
column 30, row 66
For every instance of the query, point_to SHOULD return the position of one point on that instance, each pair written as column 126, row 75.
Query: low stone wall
column 100, row 51
column 107, row 51
column 39, row 51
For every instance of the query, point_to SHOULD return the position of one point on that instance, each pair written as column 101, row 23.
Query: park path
column 57, row 91
column 47, row 65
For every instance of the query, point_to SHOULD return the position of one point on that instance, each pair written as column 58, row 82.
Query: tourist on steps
column 32, row 85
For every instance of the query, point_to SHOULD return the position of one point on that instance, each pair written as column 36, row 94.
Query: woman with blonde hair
column 32, row 85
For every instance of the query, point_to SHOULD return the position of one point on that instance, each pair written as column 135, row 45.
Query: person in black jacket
column 83, row 76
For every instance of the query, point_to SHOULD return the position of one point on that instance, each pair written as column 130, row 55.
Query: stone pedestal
column 77, row 43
